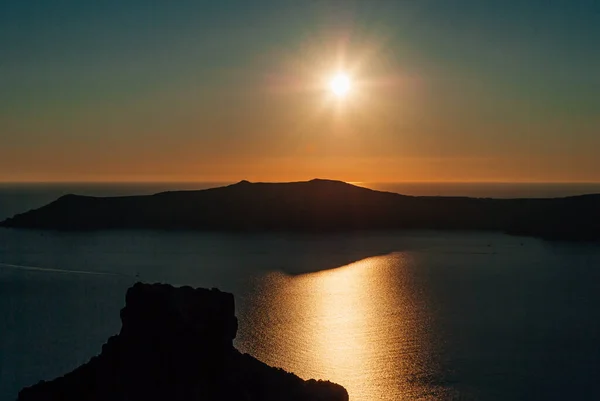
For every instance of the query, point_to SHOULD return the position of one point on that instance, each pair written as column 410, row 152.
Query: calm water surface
column 418, row 315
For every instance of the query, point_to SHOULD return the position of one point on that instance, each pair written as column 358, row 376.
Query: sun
column 340, row 85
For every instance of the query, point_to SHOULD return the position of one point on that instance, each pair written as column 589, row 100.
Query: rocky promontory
column 177, row 344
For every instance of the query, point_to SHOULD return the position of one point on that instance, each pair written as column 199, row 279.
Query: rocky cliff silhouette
column 317, row 206
column 177, row 344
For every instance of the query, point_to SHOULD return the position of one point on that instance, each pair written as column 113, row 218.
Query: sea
column 407, row 315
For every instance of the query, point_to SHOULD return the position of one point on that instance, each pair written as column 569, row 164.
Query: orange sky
column 197, row 95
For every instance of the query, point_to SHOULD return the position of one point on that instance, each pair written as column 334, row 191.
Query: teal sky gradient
column 454, row 90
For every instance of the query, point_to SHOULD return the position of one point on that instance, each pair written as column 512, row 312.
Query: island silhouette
column 317, row 206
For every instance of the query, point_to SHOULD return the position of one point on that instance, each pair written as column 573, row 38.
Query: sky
column 446, row 90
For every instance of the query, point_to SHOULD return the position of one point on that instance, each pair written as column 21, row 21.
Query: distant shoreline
column 503, row 190
column 317, row 206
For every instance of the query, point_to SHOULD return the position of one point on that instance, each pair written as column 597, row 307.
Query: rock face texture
column 177, row 344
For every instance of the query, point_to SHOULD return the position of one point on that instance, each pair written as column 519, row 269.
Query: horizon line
column 227, row 182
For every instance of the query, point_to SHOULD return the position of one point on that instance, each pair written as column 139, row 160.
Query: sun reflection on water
column 357, row 325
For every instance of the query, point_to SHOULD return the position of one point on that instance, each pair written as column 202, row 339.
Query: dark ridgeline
column 177, row 344
column 317, row 206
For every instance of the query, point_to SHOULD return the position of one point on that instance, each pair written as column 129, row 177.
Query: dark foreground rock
column 177, row 344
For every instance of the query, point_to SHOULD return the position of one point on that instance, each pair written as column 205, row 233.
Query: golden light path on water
column 364, row 325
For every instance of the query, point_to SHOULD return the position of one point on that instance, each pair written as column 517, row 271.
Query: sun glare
column 339, row 85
